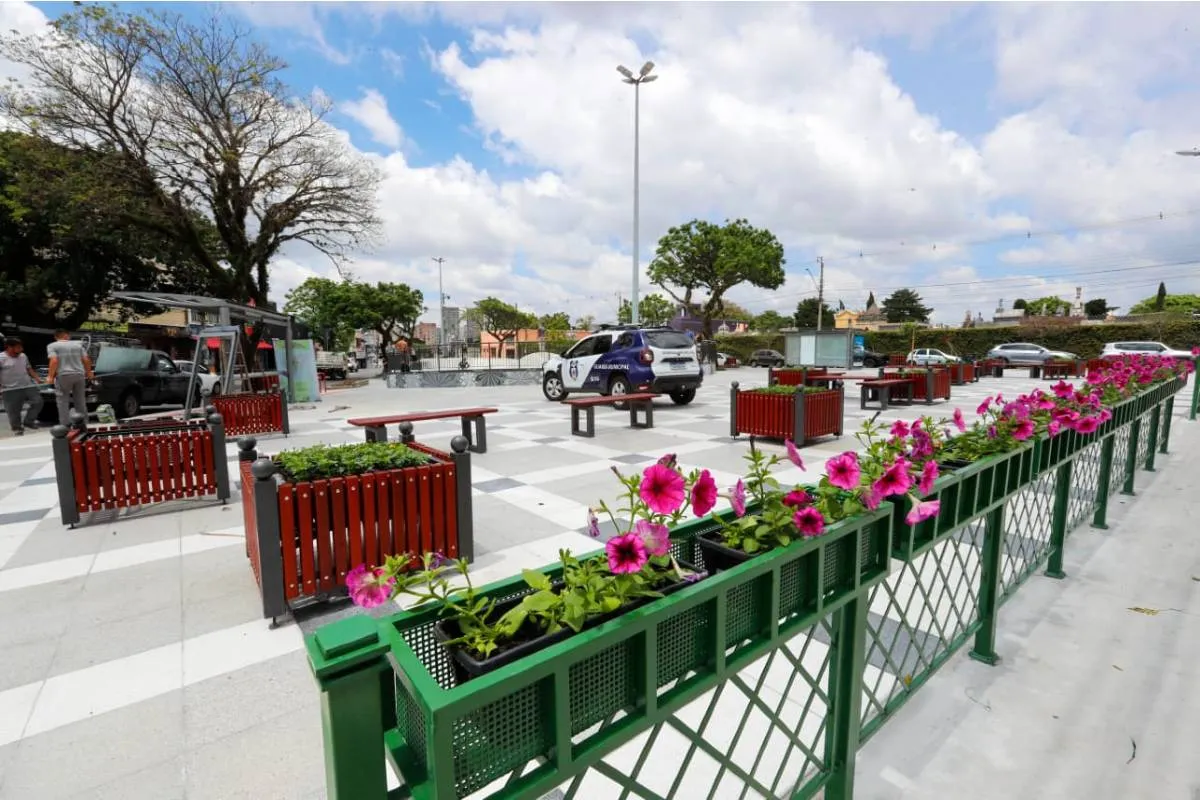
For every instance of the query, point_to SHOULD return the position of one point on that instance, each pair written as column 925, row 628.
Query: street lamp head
column 649, row 78
column 1193, row 152
column 626, row 72
column 631, row 81
column 649, row 65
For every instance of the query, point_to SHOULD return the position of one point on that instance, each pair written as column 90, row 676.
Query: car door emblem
column 573, row 370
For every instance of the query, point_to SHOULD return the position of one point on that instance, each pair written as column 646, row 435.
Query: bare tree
column 201, row 123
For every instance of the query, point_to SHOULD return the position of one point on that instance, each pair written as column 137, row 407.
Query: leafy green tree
column 1172, row 304
column 324, row 305
column 585, row 322
column 870, row 299
column 1019, row 304
column 704, row 257
column 653, row 309
column 770, row 322
column 558, row 321
column 201, row 127
column 389, row 309
column 1160, row 299
column 499, row 318
column 1097, row 308
column 904, row 305
column 1047, row 307
column 64, row 243
column 806, row 314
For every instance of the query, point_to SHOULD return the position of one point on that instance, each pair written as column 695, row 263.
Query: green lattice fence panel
column 920, row 616
column 1085, row 485
column 1143, row 445
column 1027, row 518
column 1120, row 454
column 759, row 735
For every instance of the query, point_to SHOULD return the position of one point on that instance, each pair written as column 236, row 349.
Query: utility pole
column 820, row 292
column 441, row 336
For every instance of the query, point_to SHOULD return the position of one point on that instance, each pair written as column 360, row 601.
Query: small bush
column 323, row 461
column 788, row 389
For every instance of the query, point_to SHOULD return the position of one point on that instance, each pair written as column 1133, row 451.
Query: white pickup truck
column 335, row 365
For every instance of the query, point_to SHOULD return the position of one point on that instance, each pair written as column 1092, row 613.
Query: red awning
column 213, row 344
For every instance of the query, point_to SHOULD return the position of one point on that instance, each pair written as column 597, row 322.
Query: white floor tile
column 15, row 707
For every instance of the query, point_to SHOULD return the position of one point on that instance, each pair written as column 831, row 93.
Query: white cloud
column 371, row 111
column 393, row 61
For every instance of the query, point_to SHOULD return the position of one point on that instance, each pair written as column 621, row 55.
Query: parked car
column 766, row 358
column 869, row 358
column 626, row 359
column 929, row 356
column 1118, row 349
column 1027, row 353
column 129, row 379
column 726, row 360
column 210, row 384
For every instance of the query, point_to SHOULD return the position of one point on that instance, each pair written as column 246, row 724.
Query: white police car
column 622, row 359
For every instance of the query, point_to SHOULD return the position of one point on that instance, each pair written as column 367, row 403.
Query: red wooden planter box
column 940, row 388
column 303, row 538
column 785, row 416
column 962, row 373
column 1097, row 365
column 127, row 466
column 792, row 377
column 246, row 414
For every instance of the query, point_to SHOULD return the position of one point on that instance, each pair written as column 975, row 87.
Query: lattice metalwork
column 1027, row 518
column 760, row 734
column 920, row 616
column 1120, row 455
column 1144, row 443
column 1085, row 485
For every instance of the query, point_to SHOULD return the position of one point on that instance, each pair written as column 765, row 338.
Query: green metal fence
column 760, row 682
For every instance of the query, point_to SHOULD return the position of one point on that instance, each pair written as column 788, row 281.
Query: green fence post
column 1058, row 523
column 1168, row 412
column 989, row 587
column 349, row 662
column 1100, row 518
column 1195, row 390
column 1152, row 447
column 1135, row 430
column 847, row 664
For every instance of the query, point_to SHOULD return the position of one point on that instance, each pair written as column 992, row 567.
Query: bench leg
column 590, row 431
column 885, row 394
column 862, row 398
column 645, row 406
column 378, row 434
column 478, row 441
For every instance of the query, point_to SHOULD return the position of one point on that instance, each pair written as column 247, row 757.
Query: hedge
column 1086, row 341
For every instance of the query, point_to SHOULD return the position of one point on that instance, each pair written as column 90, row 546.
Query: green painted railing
column 761, row 681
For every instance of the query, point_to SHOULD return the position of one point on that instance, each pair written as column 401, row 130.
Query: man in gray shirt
column 70, row 370
column 20, row 386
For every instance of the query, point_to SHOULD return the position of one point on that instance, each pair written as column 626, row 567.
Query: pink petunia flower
column 922, row 510
column 984, row 406
column 1023, row 430
column 1086, row 425
column 655, row 538
column 900, row 429
column 1196, row 351
column 668, row 460
column 704, row 494
column 626, row 554
column 958, row 420
column 895, row 480
column 796, row 498
column 1063, row 389
column 1053, row 428
column 593, row 524
column 929, row 474
column 369, row 588
column 738, row 498
column 809, row 521
column 793, row 454
column 662, row 489
column 843, row 471
column 872, row 498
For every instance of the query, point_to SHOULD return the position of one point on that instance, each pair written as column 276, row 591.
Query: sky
column 972, row 152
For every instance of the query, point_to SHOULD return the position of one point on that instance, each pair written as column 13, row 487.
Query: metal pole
column 633, row 302
column 441, row 334
column 820, row 293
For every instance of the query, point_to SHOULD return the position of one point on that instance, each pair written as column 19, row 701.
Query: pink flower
column 655, row 538
column 992, row 432
column 1196, row 351
column 1063, row 389
column 1105, row 415
column 793, row 454
column 662, row 489
column 958, row 420
column 872, row 498
column 369, row 588
column 626, row 554
column 809, row 522
column 900, row 429
column 1023, row 430
column 593, row 524
column 922, row 510
column 984, row 406
column 894, row 481
column 843, row 471
column 668, row 460
column 1053, row 428
column 704, row 494
column 738, row 498
column 928, row 476
column 796, row 498
column 1086, row 425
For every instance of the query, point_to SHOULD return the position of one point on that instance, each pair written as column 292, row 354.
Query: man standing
column 70, row 370
column 20, row 386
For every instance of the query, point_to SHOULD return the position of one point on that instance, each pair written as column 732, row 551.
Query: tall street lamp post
column 643, row 76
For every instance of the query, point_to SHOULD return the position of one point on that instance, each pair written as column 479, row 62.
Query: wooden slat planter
column 129, row 466
column 791, row 376
column 1096, row 364
column 962, row 373
column 303, row 538
column 799, row 417
column 246, row 414
column 930, row 384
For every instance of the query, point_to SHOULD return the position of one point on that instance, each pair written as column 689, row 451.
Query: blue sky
column 872, row 128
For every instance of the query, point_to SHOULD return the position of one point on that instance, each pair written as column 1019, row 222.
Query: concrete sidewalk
column 1097, row 694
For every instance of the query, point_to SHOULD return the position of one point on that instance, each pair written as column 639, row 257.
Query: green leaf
column 536, row 580
column 540, row 601
column 750, row 545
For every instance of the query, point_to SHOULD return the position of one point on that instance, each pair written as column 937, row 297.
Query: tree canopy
column 806, row 314
column 770, row 322
column 558, row 321
column 1097, row 308
column 904, row 305
column 334, row 310
column 653, row 309
column 200, row 126
column 1051, row 306
column 499, row 318
column 1160, row 298
column 704, row 257
column 1172, row 304
column 64, row 247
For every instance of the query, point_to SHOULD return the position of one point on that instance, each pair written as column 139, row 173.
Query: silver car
column 930, row 357
column 1118, row 349
column 1027, row 353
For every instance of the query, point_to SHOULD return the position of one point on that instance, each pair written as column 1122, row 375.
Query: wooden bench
column 1054, row 369
column 882, row 390
column 637, row 402
column 376, row 430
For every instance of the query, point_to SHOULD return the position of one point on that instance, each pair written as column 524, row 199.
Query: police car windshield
column 667, row 340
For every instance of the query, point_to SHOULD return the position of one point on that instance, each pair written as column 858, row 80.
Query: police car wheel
column 681, row 397
column 619, row 385
column 552, row 387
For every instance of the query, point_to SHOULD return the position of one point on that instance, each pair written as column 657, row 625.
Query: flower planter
column 792, row 376
column 930, row 384
column 798, row 417
column 659, row 656
column 308, row 535
column 247, row 414
column 962, row 373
